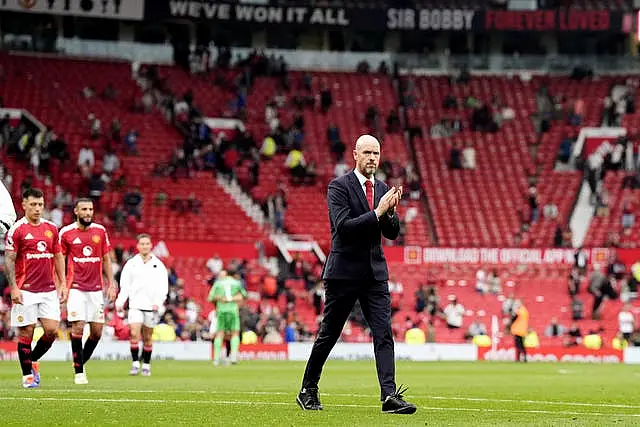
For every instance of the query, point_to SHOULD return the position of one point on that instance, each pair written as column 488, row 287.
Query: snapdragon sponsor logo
column 85, row 260
column 39, row 256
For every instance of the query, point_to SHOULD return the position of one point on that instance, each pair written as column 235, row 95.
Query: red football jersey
column 84, row 250
column 35, row 246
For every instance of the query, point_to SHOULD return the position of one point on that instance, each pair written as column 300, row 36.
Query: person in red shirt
column 86, row 247
column 34, row 266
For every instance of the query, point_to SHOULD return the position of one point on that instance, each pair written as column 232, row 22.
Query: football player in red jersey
column 86, row 246
column 35, row 268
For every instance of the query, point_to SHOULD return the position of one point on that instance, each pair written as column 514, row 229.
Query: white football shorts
column 85, row 306
column 147, row 318
column 35, row 305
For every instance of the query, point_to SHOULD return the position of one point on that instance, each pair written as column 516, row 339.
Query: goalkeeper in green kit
column 226, row 293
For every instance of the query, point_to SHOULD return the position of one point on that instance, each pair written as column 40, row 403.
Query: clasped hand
column 389, row 201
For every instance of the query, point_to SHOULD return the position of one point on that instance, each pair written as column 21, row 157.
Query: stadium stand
column 483, row 207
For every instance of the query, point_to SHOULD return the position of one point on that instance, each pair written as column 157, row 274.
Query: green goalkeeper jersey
column 227, row 287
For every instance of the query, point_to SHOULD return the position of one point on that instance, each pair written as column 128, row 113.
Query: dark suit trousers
column 375, row 302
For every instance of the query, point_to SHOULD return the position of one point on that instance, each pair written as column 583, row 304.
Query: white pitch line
column 289, row 393
column 252, row 403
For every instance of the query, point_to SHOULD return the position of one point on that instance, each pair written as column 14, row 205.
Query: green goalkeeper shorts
column 228, row 322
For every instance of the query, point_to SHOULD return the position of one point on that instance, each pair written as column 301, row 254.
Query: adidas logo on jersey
column 29, row 236
column 77, row 241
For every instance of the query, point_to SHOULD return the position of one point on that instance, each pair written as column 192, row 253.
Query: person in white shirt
column 57, row 216
column 340, row 169
column 454, row 313
column 469, row 157
column 481, row 282
column 7, row 210
column 145, row 283
column 626, row 322
column 86, row 155
column 110, row 162
column 215, row 264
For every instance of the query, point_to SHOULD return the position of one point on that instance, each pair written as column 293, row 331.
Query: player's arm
column 125, row 286
column 240, row 295
column 61, row 283
column 10, row 271
column 108, row 271
column 163, row 287
column 213, row 294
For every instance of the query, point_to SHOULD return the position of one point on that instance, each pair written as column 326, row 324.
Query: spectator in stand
column 340, row 169
column 86, row 156
column 574, row 336
column 481, row 281
column 58, row 148
column 268, row 149
column 616, row 271
column 296, row 164
column 62, row 198
column 454, row 313
column 326, row 99
column 534, row 204
column 580, row 260
column 476, row 328
column 554, row 329
column 95, row 126
column 455, row 157
column 96, row 188
column 130, row 141
column 628, row 217
column 57, row 215
column 600, row 287
column 393, row 122
column 577, row 309
column 133, row 203
column 493, row 282
column 626, row 322
column 507, row 305
column 550, row 211
column 110, row 162
column 110, row 93
column 469, row 157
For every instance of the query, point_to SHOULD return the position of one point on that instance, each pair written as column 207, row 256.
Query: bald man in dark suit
column 361, row 210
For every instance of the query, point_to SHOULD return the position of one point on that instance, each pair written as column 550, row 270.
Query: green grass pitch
column 263, row 394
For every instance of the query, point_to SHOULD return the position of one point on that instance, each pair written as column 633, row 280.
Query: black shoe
column 395, row 404
column 308, row 399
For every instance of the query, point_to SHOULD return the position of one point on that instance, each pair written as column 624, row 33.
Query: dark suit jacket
column 356, row 252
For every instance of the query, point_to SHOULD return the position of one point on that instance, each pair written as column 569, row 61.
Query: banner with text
column 381, row 19
column 417, row 353
column 419, row 255
column 408, row 19
column 564, row 20
column 554, row 354
column 110, row 9
column 119, row 350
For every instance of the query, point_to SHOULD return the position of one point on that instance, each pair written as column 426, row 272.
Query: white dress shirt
column 362, row 179
column 144, row 284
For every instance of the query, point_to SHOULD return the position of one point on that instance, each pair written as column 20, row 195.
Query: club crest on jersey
column 87, row 251
column 48, row 233
column 41, row 246
column 95, row 238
